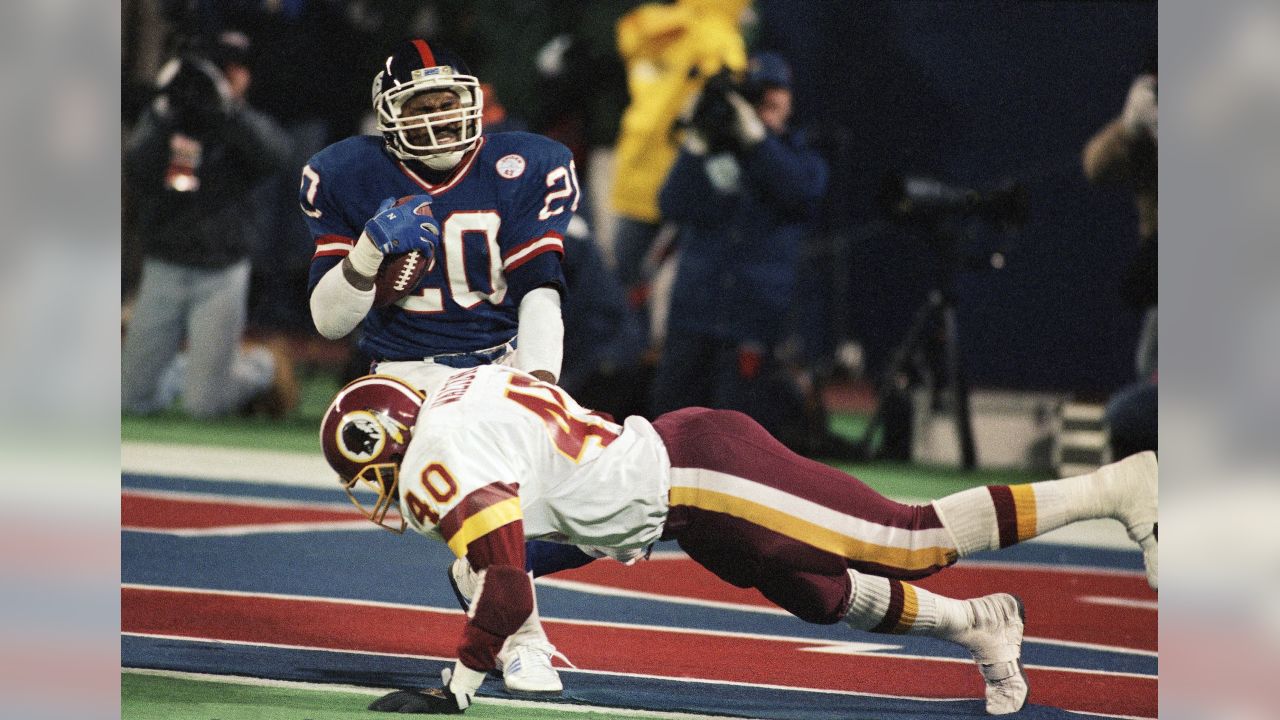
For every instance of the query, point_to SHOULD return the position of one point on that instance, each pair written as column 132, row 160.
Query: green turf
column 152, row 697
column 296, row 433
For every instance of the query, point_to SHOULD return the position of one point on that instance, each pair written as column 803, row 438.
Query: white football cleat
column 994, row 637
column 1136, row 485
column 527, row 668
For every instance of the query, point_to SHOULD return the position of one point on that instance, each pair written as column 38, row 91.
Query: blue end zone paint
column 133, row 481
column 582, row 688
column 1049, row 554
column 340, row 564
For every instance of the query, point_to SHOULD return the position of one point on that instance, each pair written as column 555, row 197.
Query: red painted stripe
column 1054, row 609
column 351, row 626
column 1006, row 514
column 139, row 511
column 424, row 51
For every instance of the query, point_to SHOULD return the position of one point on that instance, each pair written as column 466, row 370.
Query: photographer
column 190, row 165
column 743, row 192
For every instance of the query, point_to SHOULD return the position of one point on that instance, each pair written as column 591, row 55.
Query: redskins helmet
column 365, row 433
column 438, row 139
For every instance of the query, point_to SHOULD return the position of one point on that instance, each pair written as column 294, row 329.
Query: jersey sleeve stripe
column 551, row 242
column 474, row 502
column 330, row 245
column 482, row 523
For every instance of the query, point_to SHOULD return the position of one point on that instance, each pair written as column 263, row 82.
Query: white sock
column 891, row 606
column 997, row 516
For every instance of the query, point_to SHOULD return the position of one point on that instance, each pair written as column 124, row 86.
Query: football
column 398, row 277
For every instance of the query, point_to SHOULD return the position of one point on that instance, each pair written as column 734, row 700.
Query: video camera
column 188, row 89
column 714, row 117
column 928, row 200
column 193, row 84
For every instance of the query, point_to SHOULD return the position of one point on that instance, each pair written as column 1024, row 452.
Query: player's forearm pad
column 540, row 337
column 337, row 307
column 503, row 601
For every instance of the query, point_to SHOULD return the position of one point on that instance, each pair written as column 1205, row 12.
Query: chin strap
column 443, row 161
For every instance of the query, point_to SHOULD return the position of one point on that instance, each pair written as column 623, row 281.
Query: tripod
column 937, row 312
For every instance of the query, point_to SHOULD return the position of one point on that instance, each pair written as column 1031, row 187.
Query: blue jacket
column 739, row 250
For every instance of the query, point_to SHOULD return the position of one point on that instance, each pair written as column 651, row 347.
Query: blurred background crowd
column 950, row 194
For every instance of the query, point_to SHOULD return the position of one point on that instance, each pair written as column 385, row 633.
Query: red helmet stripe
column 428, row 59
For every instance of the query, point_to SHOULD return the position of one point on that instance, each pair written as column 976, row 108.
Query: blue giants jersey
column 502, row 214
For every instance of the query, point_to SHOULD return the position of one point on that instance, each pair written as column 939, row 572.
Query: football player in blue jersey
column 487, row 212
column 493, row 240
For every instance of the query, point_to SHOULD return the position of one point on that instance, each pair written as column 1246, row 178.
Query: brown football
column 398, row 277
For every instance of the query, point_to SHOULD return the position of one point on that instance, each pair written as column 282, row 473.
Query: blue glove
column 400, row 224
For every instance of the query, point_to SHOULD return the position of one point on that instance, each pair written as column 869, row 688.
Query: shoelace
column 545, row 653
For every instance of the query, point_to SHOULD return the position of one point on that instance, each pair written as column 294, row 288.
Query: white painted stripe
column 592, row 589
column 1091, row 646
column 224, row 499
column 263, row 529
column 537, row 246
column 1122, row 602
column 234, row 464
column 650, row 628
column 851, row 648
column 1044, row 567
column 361, row 690
column 847, row 525
column 300, row 598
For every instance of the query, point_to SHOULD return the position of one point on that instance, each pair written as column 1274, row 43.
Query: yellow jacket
column 669, row 51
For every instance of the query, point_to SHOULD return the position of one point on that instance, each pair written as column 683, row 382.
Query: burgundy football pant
column 758, row 515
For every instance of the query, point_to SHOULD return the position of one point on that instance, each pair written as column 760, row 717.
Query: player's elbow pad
column 503, row 600
column 336, row 306
column 540, row 337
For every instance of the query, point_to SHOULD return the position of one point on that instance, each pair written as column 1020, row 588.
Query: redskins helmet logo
column 360, row 436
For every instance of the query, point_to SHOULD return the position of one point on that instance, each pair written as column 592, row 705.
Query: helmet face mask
column 382, row 480
column 437, row 137
column 365, row 434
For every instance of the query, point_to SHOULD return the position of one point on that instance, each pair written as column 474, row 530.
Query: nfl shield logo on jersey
column 510, row 166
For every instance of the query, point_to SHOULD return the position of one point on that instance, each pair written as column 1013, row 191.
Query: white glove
column 463, row 682
column 749, row 127
column 1140, row 115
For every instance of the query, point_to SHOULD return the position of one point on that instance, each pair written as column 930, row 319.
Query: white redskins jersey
column 493, row 445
